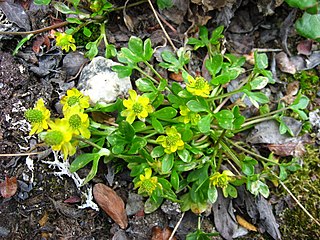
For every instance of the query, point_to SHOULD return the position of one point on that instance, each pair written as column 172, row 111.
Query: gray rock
column 134, row 204
column 72, row 63
column 100, row 83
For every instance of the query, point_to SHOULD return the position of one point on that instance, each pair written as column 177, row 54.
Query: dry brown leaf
column 284, row 63
column 8, row 187
column 161, row 234
column 39, row 41
column 176, row 77
column 288, row 149
column 111, row 203
column 244, row 223
column 44, row 219
column 305, row 47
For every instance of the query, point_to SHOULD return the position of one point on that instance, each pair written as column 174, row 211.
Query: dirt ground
column 39, row 209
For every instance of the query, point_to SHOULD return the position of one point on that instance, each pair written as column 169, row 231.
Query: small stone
column 111, row 203
column 134, row 204
column 4, row 232
column 100, row 83
column 72, row 63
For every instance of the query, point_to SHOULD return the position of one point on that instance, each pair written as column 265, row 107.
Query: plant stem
column 87, row 142
column 257, row 121
column 250, row 152
column 147, row 75
column 153, row 70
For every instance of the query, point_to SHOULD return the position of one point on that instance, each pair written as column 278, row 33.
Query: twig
column 162, row 27
column 62, row 24
column 176, row 227
column 19, row 154
column 298, row 202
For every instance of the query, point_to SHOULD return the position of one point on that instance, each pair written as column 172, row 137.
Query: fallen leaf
column 161, row 234
column 244, row 223
column 44, row 219
column 8, row 187
column 111, row 203
column 39, row 41
column 284, row 63
column 288, row 149
column 176, row 77
column 304, row 47
column 72, row 199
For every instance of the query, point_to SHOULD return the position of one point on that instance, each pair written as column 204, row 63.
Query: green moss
column 309, row 82
column 305, row 185
column 81, row 39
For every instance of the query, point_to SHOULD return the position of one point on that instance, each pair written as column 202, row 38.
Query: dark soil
column 37, row 210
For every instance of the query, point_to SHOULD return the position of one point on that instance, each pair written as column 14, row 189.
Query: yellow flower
column 172, row 142
column 65, row 41
column 38, row 117
column 147, row 184
column 198, row 86
column 78, row 121
column 137, row 106
column 74, row 98
column 188, row 116
column 221, row 179
column 59, row 137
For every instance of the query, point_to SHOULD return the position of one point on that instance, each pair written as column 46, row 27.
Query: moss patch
column 305, row 185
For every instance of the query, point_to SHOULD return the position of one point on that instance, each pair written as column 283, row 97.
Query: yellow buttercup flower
column 147, row 184
column 65, row 41
column 137, row 106
column 74, row 98
column 172, row 142
column 59, row 137
column 221, row 179
column 78, row 121
column 198, row 86
column 38, row 117
column 188, row 116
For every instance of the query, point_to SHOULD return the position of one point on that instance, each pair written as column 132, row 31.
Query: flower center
column 72, row 100
column 53, row 138
column 137, row 108
column 200, row 83
column 172, row 140
column 148, row 186
column 75, row 121
column 34, row 116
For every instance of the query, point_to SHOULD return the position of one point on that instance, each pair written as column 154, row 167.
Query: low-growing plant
column 178, row 140
column 309, row 24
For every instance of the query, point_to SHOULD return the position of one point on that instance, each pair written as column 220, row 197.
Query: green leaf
column 214, row 64
column 82, row 160
column 259, row 83
column 42, row 2
column 170, row 62
column 123, row 71
column 74, row 20
column 87, row 32
column 256, row 97
column 301, row 102
column 138, row 51
column 145, row 85
column 225, row 119
column 196, row 106
column 152, row 204
column 157, row 152
column 309, row 26
column 21, row 42
column 212, row 194
column 174, row 180
column 260, row 60
column 127, row 130
column 167, row 163
column 165, row 113
column 216, row 35
column 204, row 124
column 184, row 155
column 232, row 191
column 158, row 100
column 92, row 50
column 63, row 8
column 156, row 124
column 162, row 4
column 247, row 166
column 303, row 5
column 92, row 172
column 162, row 84
column 110, row 51
column 137, row 144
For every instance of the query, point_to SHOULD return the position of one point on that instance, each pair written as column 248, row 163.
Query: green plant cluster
column 309, row 24
column 178, row 139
